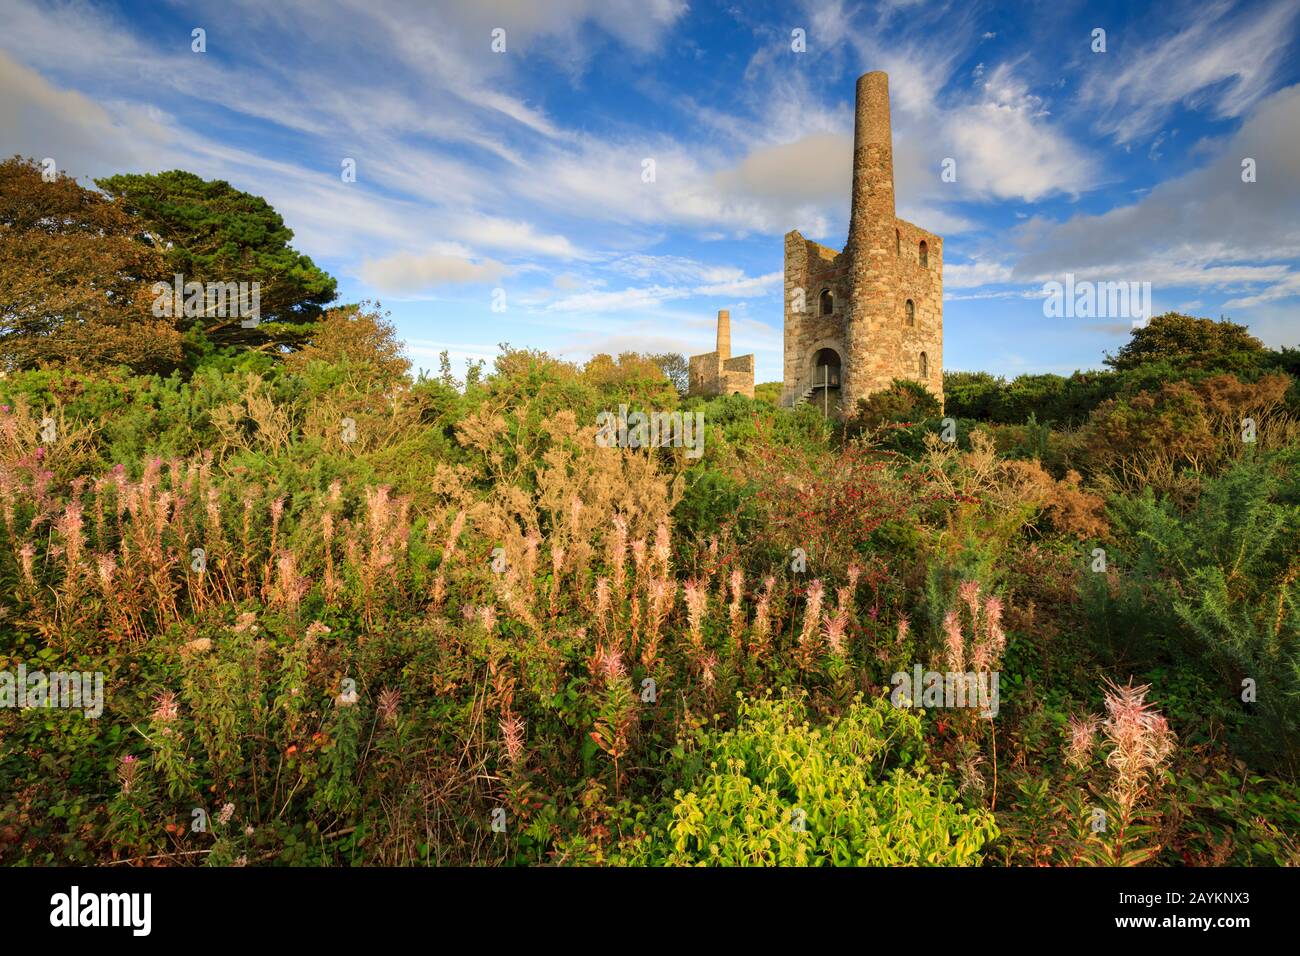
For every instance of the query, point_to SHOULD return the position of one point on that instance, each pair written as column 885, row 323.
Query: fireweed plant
column 346, row 616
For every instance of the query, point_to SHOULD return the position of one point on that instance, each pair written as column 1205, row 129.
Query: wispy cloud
column 1205, row 229
column 1224, row 59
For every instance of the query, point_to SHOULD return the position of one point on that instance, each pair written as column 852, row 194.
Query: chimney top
column 871, row 125
column 724, row 334
column 873, row 159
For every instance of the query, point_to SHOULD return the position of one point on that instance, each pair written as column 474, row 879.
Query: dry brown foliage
column 75, row 276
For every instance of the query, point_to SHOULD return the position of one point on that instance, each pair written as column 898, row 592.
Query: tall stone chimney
column 873, row 165
column 884, row 288
column 724, row 335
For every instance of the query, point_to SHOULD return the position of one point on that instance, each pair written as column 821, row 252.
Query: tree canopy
column 209, row 231
column 1190, row 342
column 74, row 277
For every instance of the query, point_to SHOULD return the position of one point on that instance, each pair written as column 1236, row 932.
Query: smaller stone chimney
column 717, row 372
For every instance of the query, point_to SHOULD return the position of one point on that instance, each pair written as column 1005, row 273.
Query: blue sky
column 522, row 170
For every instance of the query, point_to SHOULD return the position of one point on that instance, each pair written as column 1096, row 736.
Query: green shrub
column 903, row 401
column 712, row 498
column 1216, row 587
column 777, row 790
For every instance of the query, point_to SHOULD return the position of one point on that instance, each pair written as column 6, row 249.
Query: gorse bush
column 1188, row 341
column 903, row 401
column 1162, row 439
column 1221, row 577
column 1169, row 348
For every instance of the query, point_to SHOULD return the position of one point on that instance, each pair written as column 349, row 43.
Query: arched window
column 925, row 366
column 925, row 254
column 911, row 313
column 898, row 243
column 827, row 302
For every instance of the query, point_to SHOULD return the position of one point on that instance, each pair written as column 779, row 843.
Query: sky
column 504, row 195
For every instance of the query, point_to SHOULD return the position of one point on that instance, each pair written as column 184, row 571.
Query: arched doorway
column 824, row 393
column 826, row 369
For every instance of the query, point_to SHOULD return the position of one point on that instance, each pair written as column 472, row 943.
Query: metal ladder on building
column 824, row 385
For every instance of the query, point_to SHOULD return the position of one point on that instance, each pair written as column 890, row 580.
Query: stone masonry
column 858, row 319
column 717, row 373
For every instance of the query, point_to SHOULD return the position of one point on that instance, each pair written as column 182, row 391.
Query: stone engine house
column 717, row 373
column 856, row 320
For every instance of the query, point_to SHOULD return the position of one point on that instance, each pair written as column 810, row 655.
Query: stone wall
column 810, row 270
column 737, row 376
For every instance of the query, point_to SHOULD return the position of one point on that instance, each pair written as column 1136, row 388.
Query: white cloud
column 813, row 169
column 1004, row 145
column 972, row 275
column 744, row 287
column 405, row 272
column 516, row 237
column 1287, row 286
column 701, row 278
column 80, row 135
column 647, row 297
column 676, row 269
column 1204, row 229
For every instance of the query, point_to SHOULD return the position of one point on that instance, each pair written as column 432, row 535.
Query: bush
column 971, row 394
column 778, row 791
column 1191, row 343
column 353, row 645
column 1051, row 399
column 1156, row 438
column 903, row 401
column 1221, row 578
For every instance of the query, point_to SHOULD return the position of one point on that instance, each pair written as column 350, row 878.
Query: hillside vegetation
column 346, row 615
